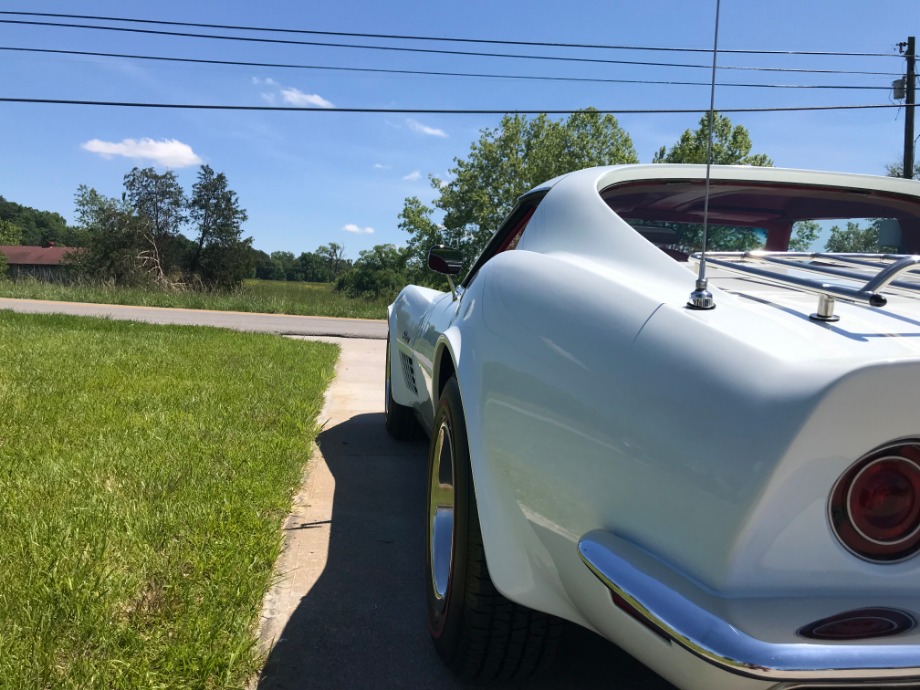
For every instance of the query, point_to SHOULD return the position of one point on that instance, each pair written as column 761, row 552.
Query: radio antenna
column 701, row 298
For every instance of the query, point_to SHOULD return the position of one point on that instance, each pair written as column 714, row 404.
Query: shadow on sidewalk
column 363, row 624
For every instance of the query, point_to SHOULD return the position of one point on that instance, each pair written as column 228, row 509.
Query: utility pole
column 910, row 103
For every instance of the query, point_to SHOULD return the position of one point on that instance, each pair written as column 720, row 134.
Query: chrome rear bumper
column 686, row 614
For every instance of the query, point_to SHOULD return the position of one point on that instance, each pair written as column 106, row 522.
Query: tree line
column 324, row 265
column 28, row 226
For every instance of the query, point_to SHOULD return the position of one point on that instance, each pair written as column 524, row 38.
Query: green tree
column 804, row 234
column 10, row 233
column 416, row 219
column 225, row 265
column 315, row 268
column 897, row 170
column 114, row 239
column 285, row 268
column 159, row 203
column 264, row 267
column 853, row 239
column 503, row 164
column 731, row 145
column 333, row 256
column 38, row 227
column 378, row 272
column 221, row 256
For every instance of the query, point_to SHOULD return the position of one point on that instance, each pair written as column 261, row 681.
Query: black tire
column 478, row 633
column 401, row 423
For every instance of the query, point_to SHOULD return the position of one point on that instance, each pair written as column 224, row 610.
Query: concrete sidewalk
column 346, row 610
column 308, row 527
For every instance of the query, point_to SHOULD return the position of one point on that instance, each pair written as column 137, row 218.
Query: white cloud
column 358, row 230
column 417, row 126
column 290, row 95
column 269, row 96
column 381, row 166
column 171, row 153
column 297, row 97
column 412, row 176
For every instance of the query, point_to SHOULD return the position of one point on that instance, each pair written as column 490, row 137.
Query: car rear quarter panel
column 539, row 363
column 592, row 405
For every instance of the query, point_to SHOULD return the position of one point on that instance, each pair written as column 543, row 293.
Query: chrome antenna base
column 701, row 298
column 825, row 309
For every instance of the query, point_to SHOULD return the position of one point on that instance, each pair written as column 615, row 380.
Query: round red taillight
column 875, row 506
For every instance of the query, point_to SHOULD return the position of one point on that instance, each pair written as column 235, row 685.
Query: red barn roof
column 34, row 256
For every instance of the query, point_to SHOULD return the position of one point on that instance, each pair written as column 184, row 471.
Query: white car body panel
column 706, row 440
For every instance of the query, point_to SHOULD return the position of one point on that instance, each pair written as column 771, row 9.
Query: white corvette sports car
column 725, row 485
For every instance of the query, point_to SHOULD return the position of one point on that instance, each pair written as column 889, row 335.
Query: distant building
column 44, row 263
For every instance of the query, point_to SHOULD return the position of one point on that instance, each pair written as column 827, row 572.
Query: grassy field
column 264, row 296
column 144, row 474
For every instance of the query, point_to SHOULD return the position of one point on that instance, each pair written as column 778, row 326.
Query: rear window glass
column 745, row 215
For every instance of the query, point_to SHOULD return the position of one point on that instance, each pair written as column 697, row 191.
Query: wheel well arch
column 445, row 369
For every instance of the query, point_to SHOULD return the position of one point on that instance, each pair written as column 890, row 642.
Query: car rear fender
column 519, row 565
column 519, row 349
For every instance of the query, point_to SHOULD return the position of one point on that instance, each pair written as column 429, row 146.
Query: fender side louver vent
column 408, row 371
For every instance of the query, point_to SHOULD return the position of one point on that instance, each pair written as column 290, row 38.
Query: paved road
column 239, row 321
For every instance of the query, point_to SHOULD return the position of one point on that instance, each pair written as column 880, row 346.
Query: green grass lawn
column 144, row 474
column 264, row 296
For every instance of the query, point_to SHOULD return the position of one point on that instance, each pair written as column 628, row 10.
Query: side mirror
column 445, row 260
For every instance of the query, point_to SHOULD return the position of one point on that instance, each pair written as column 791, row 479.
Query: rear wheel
column 478, row 633
column 400, row 420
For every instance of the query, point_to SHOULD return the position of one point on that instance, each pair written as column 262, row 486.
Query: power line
column 442, row 111
column 406, row 49
column 404, row 37
column 378, row 70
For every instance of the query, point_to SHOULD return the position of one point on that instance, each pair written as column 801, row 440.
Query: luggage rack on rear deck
column 871, row 272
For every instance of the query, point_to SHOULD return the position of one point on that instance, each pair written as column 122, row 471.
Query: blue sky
column 309, row 178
